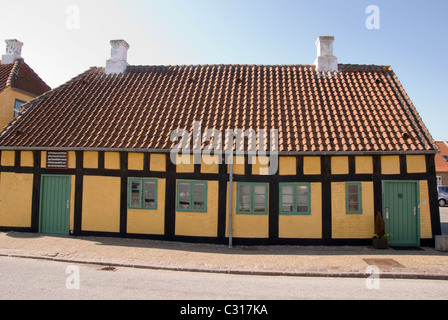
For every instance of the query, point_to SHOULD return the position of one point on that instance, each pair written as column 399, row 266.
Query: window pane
column 259, row 207
column 200, row 205
column 260, row 190
column 150, row 203
column 286, row 199
column 244, row 189
column 353, row 207
column 302, row 208
column 353, row 188
column 287, row 207
column 135, row 194
column 199, row 188
column 259, row 198
column 287, row 189
column 199, row 196
column 184, row 196
column 135, row 185
column 150, row 190
column 135, row 201
column 353, row 198
column 353, row 203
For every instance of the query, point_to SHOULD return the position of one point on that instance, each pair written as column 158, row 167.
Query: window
column 18, row 106
column 192, row 196
column 252, row 198
column 446, row 158
column 439, row 180
column 353, row 197
column 295, row 198
column 142, row 193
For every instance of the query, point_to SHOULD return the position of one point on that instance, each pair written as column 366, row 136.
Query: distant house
column 95, row 155
column 18, row 83
column 442, row 163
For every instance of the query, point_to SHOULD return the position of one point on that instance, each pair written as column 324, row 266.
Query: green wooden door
column 401, row 212
column 55, row 204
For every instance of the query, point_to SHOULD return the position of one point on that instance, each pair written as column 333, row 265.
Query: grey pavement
column 323, row 261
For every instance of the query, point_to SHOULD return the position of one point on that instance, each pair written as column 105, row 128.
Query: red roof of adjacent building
column 19, row 75
column 441, row 161
column 361, row 108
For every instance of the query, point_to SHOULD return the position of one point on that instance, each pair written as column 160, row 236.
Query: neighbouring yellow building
column 18, row 83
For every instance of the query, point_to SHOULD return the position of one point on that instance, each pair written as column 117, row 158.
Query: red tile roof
column 441, row 162
column 19, row 75
column 358, row 109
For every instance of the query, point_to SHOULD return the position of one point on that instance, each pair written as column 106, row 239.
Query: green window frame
column 295, row 199
column 191, row 196
column 252, row 198
column 353, row 198
column 142, row 194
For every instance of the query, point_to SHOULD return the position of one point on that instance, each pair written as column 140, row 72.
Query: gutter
column 254, row 153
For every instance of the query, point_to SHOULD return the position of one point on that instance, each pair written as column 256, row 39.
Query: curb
column 306, row 272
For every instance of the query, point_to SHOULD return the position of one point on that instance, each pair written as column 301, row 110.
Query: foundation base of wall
column 442, row 243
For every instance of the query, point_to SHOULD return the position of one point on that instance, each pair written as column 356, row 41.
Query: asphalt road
column 29, row 279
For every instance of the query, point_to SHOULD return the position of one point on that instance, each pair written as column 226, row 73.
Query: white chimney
column 325, row 60
column 117, row 63
column 13, row 51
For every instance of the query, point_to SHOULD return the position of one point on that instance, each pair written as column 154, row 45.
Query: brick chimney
column 117, row 63
column 326, row 61
column 13, row 51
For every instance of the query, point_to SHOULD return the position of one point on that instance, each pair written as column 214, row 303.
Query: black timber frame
column 326, row 178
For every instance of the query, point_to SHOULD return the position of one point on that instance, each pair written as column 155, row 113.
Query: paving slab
column 323, row 261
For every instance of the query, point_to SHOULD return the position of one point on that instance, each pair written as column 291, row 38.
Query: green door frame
column 417, row 208
column 57, row 221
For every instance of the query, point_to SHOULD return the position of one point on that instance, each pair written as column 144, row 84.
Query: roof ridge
column 14, row 72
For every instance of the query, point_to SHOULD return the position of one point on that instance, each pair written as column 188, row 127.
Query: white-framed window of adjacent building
column 18, row 106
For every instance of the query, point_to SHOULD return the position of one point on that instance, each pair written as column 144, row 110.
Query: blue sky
column 412, row 37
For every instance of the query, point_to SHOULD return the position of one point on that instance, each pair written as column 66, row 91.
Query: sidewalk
column 344, row 261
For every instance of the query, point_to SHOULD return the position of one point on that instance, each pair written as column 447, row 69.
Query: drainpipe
column 230, row 199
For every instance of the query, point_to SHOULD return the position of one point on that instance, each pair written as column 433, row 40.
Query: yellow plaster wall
column 209, row 164
column 71, row 160
column 8, row 158
column 90, row 159
column 352, row 226
column 238, row 165
column 135, row 161
column 311, row 165
column 26, row 159
column 16, row 194
column 287, row 166
column 7, row 101
column 416, row 163
column 245, row 225
column 185, row 163
column 364, row 164
column 112, row 160
column 158, row 162
column 200, row 224
column 304, row 226
column 43, row 159
column 425, row 213
column 390, row 164
column 101, row 204
column 339, row 165
column 260, row 166
column 142, row 221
